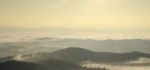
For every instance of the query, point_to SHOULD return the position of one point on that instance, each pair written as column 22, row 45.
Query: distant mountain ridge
column 109, row 45
column 79, row 55
column 48, row 44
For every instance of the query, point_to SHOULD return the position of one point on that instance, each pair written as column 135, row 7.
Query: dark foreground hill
column 45, row 65
column 53, row 64
column 50, row 64
column 17, row 65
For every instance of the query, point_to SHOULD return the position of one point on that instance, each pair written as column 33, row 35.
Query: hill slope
column 17, row 65
column 80, row 55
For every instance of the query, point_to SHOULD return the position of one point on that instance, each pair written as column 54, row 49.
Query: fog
column 119, row 67
column 33, row 46
column 17, row 43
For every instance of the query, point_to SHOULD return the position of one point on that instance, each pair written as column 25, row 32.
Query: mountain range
column 69, row 59
column 46, row 44
column 80, row 55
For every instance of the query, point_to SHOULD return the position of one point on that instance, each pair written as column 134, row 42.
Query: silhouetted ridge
column 72, row 54
column 78, row 55
column 18, row 65
column 74, row 50
column 51, row 64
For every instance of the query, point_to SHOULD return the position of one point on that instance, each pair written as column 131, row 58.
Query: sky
column 99, row 15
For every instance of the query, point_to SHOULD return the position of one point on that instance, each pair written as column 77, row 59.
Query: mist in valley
column 46, row 49
column 74, row 34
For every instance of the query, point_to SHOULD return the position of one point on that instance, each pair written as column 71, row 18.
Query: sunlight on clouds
column 112, row 15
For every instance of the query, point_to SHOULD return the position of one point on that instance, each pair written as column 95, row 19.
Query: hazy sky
column 103, row 15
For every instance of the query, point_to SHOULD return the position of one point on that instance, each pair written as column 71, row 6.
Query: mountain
column 18, row 65
column 72, row 54
column 46, row 44
column 124, row 45
column 79, row 55
column 51, row 64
